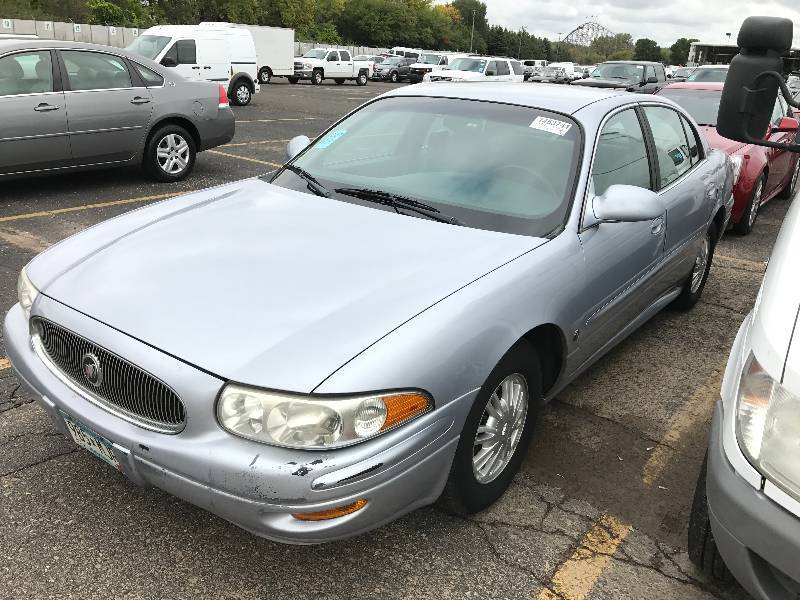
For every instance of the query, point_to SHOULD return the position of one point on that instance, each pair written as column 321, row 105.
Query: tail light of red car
column 223, row 98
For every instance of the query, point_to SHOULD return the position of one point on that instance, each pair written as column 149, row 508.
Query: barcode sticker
column 551, row 125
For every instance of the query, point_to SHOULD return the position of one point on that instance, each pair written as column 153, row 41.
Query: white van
column 274, row 49
column 226, row 55
column 407, row 52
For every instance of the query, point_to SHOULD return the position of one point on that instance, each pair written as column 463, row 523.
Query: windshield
column 468, row 64
column 618, row 71
column 703, row 105
column 492, row 166
column 148, row 46
column 316, row 53
column 430, row 59
column 709, row 75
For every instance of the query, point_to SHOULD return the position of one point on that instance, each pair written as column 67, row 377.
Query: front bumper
column 758, row 539
column 303, row 73
column 252, row 485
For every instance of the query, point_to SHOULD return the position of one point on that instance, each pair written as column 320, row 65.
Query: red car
column 760, row 174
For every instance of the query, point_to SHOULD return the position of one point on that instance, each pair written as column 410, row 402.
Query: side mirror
column 490, row 73
column 296, row 145
column 749, row 93
column 168, row 61
column 627, row 204
column 787, row 125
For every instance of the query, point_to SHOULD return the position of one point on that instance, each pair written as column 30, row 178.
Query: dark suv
column 394, row 69
column 633, row 75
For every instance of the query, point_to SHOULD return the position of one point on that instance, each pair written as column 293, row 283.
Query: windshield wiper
column 313, row 185
column 398, row 201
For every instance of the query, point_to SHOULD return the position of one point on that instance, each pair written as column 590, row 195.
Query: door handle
column 209, row 68
column 140, row 100
column 45, row 107
column 657, row 226
column 197, row 68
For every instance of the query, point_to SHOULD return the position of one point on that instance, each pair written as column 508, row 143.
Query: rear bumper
column 218, row 131
column 255, row 486
column 757, row 538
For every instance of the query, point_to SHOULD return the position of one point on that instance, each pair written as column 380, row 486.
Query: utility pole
column 472, row 33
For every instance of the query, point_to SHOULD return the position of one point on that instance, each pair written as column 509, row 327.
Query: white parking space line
column 4, row 364
column 246, row 158
column 24, row 240
column 58, row 211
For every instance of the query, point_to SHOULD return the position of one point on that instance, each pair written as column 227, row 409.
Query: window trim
column 672, row 184
column 55, row 70
column 67, row 86
column 134, row 71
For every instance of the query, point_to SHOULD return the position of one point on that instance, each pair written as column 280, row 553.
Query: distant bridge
column 585, row 34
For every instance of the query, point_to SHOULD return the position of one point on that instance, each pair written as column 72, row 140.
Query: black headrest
column 766, row 33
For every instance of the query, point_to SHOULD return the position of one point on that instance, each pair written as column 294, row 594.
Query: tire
column 696, row 282
column 750, row 214
column 164, row 144
column 394, row 78
column 791, row 185
column 362, row 79
column 317, row 77
column 293, row 80
column 264, row 76
column 471, row 488
column 241, row 94
column 339, row 81
column 702, row 547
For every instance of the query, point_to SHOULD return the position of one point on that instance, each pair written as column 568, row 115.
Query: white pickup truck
column 330, row 63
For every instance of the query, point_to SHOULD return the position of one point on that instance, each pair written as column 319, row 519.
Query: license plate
column 91, row 441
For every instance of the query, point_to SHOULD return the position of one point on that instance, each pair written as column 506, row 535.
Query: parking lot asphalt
column 599, row 509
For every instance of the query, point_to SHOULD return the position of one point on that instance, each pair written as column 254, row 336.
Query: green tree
column 102, row 12
column 646, row 49
column 679, row 51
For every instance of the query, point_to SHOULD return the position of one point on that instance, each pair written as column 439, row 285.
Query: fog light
column 331, row 513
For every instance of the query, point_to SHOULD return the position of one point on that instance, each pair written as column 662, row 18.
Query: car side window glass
column 491, row 68
column 187, row 52
column 502, row 67
column 518, row 69
column 95, row 70
column 345, row 55
column 649, row 72
column 26, row 73
column 150, row 77
column 778, row 111
column 443, row 60
column 672, row 148
column 694, row 144
column 333, row 56
column 621, row 155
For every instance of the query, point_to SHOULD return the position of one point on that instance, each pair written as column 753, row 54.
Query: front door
column 34, row 119
column 780, row 161
column 107, row 116
column 621, row 258
column 182, row 56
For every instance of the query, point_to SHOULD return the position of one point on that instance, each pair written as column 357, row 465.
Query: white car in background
column 709, row 73
column 479, row 68
column 745, row 519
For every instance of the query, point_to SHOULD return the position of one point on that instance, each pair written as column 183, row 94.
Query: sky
column 663, row 21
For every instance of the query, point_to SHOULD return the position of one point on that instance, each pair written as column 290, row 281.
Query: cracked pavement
column 598, row 510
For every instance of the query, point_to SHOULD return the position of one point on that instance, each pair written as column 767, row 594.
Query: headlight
column 307, row 65
column 768, row 427
column 26, row 293
column 297, row 421
column 736, row 161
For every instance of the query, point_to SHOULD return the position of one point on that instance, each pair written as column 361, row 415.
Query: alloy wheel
column 243, row 94
column 500, row 428
column 264, row 76
column 173, row 154
column 751, row 218
column 700, row 264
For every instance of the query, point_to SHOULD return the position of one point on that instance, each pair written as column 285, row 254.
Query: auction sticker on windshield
column 551, row 125
column 329, row 139
column 91, row 441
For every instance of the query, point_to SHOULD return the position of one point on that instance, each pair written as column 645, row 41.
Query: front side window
column 95, row 70
column 182, row 52
column 468, row 64
column 333, row 56
column 672, row 147
column 649, row 72
column 778, row 111
column 621, row 155
column 26, row 73
column 491, row 166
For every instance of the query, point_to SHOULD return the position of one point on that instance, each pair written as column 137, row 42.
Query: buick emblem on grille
column 92, row 370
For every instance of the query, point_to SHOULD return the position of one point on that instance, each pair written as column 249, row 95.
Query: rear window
column 703, row 105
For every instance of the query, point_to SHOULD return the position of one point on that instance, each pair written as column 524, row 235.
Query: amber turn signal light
column 403, row 407
column 331, row 513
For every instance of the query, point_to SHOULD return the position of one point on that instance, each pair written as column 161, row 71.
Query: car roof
column 634, row 62
column 709, row 86
column 558, row 98
column 11, row 45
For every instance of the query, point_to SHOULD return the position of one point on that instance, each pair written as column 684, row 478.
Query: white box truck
column 226, row 55
column 274, row 49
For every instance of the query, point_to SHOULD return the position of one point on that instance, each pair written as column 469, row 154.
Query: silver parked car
column 68, row 105
column 377, row 325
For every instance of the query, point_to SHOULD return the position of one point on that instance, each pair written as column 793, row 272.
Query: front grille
column 298, row 66
column 120, row 386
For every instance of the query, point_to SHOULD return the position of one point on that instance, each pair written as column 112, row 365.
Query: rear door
column 107, row 117
column 347, row 63
column 33, row 134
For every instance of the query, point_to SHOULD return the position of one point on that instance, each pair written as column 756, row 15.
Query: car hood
column 727, row 145
column 263, row 285
column 604, row 83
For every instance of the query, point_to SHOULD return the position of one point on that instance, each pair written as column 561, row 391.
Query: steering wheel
column 527, row 175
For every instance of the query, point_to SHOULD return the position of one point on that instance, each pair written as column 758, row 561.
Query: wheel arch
column 242, row 76
column 550, row 345
column 175, row 120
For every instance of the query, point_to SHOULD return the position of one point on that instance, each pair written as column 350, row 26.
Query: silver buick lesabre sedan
column 375, row 326
column 75, row 106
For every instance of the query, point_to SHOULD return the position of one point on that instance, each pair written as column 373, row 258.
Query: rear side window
column 518, row 69
column 95, row 70
column 150, row 77
column 26, row 73
column 344, row 54
column 502, row 68
column 695, row 154
column 491, row 69
column 621, row 156
column 672, row 147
